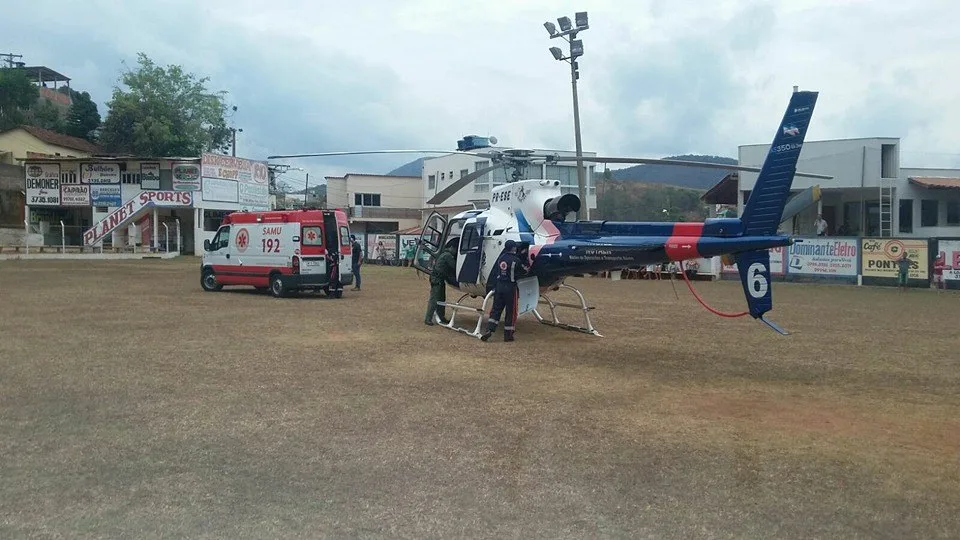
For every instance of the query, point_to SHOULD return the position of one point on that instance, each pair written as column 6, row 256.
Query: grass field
column 134, row 404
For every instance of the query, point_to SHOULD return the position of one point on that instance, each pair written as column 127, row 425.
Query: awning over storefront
column 935, row 182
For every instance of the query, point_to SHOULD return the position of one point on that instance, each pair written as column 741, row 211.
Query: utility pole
column 581, row 172
column 233, row 137
column 306, row 191
column 8, row 59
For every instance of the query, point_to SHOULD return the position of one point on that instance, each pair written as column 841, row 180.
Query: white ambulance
column 281, row 250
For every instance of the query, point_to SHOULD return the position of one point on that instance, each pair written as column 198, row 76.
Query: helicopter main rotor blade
column 368, row 152
column 448, row 191
column 681, row 163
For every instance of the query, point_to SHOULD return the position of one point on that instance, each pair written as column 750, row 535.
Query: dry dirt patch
column 133, row 403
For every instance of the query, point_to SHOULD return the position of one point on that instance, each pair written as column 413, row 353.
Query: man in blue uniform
column 506, row 271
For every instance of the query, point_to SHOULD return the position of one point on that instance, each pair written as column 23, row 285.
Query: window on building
column 69, row 177
column 464, row 172
column 432, row 181
column 888, row 161
column 482, row 184
column 130, row 178
column 213, row 218
column 929, row 213
column 953, row 212
column 906, row 215
column 366, row 199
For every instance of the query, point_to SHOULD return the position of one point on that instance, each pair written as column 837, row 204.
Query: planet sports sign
column 133, row 209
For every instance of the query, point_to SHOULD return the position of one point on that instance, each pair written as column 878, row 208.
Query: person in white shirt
column 821, row 226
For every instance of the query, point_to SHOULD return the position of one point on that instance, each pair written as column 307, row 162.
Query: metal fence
column 61, row 238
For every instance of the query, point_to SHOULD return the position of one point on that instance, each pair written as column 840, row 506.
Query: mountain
column 316, row 191
column 414, row 168
column 689, row 177
column 628, row 200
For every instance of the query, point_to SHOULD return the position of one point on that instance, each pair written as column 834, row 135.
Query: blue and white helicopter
column 538, row 213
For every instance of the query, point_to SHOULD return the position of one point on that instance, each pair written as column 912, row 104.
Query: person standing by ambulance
column 356, row 253
column 507, row 270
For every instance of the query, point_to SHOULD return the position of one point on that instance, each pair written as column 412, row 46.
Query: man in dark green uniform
column 444, row 268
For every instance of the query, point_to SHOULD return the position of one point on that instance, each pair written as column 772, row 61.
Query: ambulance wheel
column 276, row 286
column 209, row 281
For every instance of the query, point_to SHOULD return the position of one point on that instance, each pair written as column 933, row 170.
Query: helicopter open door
column 430, row 243
column 471, row 252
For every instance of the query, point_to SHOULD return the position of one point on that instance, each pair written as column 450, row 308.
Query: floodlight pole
column 581, row 172
column 569, row 34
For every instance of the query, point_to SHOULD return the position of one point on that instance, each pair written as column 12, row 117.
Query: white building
column 870, row 194
column 377, row 203
column 439, row 172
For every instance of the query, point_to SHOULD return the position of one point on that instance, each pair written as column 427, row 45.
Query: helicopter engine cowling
column 557, row 208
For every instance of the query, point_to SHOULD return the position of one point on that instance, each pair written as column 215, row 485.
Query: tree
column 83, row 119
column 17, row 95
column 46, row 115
column 164, row 112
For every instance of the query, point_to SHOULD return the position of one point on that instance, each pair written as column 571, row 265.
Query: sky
column 657, row 77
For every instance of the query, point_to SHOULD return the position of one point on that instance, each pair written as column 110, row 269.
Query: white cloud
column 658, row 77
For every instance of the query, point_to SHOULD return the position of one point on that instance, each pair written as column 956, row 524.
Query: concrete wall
column 394, row 191
column 11, row 196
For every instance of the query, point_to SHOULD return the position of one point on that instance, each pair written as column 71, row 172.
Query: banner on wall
column 105, row 195
column 777, row 256
column 149, row 176
column 879, row 257
column 100, row 173
column 823, row 257
column 186, row 177
column 950, row 251
column 74, row 195
column 42, row 182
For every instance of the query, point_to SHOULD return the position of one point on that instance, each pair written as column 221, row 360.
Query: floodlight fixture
column 581, row 18
column 565, row 23
column 557, row 53
column 576, row 48
column 551, row 28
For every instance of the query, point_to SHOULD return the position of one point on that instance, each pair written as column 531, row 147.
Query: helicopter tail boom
column 764, row 210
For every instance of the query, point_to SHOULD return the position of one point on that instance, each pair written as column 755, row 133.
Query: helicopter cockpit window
column 456, row 229
column 471, row 240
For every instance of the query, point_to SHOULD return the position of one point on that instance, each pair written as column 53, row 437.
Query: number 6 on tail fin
column 754, row 268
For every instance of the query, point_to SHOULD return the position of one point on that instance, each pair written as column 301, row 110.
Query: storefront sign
column 132, row 208
column 823, row 257
column 215, row 189
column 149, row 176
column 74, row 195
column 186, row 177
column 100, row 173
column 255, row 196
column 42, row 184
column 242, row 170
column 880, row 256
column 950, row 251
column 101, row 195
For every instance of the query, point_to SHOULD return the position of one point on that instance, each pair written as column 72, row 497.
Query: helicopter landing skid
column 458, row 306
column 555, row 321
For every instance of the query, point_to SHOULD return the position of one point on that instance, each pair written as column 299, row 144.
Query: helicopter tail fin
column 754, row 269
column 764, row 209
